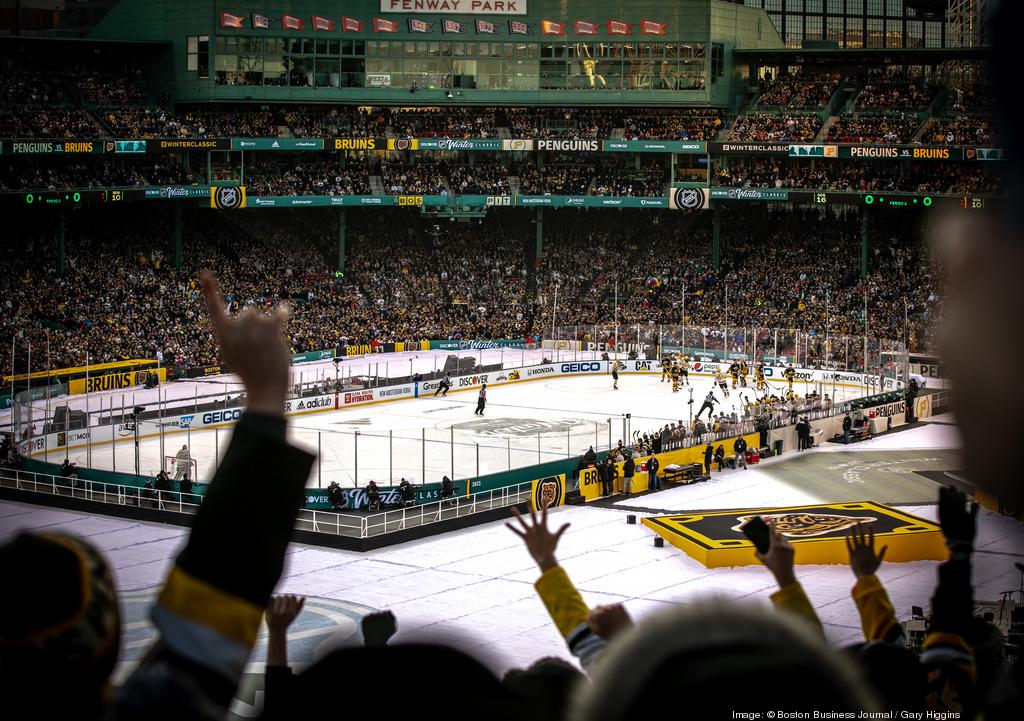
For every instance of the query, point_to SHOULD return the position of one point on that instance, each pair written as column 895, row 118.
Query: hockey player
column 790, row 375
column 666, row 368
column 444, row 385
column 722, row 382
column 734, row 371
column 744, row 371
column 759, row 376
column 615, row 375
column 684, row 369
column 481, row 401
column 709, row 403
column 182, row 463
column 676, row 375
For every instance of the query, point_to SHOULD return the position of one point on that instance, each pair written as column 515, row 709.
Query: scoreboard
column 51, row 198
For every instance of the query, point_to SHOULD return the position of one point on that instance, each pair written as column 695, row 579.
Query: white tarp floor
column 474, row 587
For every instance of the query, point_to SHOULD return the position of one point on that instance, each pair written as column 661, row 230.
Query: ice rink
column 424, row 438
column 474, row 587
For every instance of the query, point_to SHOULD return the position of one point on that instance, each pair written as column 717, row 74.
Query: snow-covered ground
column 475, row 587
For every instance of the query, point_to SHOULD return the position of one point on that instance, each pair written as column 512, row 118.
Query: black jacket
column 628, row 467
column 847, row 423
column 653, row 465
column 740, row 446
column 235, row 552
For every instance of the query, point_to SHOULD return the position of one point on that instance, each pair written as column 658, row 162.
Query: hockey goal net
column 171, row 466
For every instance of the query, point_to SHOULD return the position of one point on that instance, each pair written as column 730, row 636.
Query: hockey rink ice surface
column 415, row 438
column 474, row 587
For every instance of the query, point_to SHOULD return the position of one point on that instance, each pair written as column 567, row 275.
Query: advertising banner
column 748, row 148
column 313, row 356
column 173, row 144
column 174, row 192
column 749, row 194
column 654, row 146
column 459, row 143
column 277, row 143
column 357, row 143
column 54, row 147
column 114, row 381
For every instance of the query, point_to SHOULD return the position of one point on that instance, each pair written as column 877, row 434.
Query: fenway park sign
column 462, row 7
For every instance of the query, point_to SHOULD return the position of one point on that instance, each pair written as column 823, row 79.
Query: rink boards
column 98, row 435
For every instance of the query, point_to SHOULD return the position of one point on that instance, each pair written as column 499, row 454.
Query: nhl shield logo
column 228, row 197
column 688, row 198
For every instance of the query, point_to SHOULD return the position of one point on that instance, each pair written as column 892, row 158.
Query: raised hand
column 540, row 542
column 609, row 621
column 860, row 542
column 253, row 347
column 957, row 516
column 282, row 610
column 378, row 628
column 779, row 558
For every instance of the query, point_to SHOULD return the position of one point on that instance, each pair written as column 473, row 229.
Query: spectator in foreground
column 279, row 615
column 209, row 611
column 585, row 632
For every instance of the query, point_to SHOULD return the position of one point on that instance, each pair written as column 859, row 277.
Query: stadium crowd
column 892, row 128
column 762, row 126
column 308, row 174
column 773, row 279
column 888, row 93
column 31, row 173
column 800, row 92
column 965, row 130
column 855, row 177
column 409, row 280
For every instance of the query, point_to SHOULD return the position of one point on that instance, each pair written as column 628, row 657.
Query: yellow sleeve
column 877, row 615
column 792, row 599
column 563, row 601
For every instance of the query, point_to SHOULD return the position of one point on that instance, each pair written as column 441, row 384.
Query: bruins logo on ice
column 807, row 525
column 548, row 492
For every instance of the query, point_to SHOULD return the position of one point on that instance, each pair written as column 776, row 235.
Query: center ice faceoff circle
column 519, row 426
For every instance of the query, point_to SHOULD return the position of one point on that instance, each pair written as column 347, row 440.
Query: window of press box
column 197, row 55
column 690, row 169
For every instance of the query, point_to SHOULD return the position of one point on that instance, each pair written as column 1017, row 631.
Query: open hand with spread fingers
column 540, row 541
column 860, row 542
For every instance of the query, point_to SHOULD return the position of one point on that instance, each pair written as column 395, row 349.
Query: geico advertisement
column 114, row 381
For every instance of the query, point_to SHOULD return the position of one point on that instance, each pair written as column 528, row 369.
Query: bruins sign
column 114, row 381
column 548, row 492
